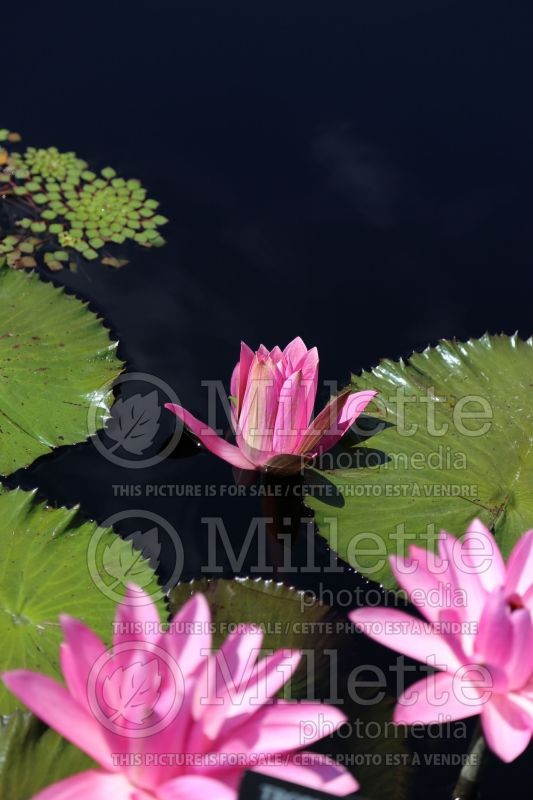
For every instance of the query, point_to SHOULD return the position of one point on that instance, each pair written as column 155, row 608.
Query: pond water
column 357, row 174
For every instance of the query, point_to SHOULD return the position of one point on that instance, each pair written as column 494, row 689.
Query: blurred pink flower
column 167, row 717
column 273, row 394
column 483, row 644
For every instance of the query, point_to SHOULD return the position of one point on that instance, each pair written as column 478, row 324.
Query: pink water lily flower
column 273, row 394
column 167, row 718
column 482, row 642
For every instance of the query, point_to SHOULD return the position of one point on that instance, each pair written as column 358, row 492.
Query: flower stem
column 467, row 786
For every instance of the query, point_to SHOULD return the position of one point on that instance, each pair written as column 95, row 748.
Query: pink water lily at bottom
column 482, row 645
column 223, row 705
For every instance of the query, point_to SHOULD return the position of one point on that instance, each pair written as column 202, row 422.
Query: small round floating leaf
column 27, row 262
column 55, row 228
column 54, row 265
column 87, row 175
column 90, row 254
column 116, row 263
column 40, row 198
column 38, row 227
column 108, row 173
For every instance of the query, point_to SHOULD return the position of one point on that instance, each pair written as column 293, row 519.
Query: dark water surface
column 359, row 174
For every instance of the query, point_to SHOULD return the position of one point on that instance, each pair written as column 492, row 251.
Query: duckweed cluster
column 61, row 210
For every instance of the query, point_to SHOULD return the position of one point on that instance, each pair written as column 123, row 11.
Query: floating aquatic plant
column 55, row 206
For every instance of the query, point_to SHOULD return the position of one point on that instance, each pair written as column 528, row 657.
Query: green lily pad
column 48, row 570
column 32, row 757
column 288, row 618
column 455, row 443
column 56, row 359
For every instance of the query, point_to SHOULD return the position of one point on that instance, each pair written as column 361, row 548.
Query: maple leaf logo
column 134, row 422
column 133, row 692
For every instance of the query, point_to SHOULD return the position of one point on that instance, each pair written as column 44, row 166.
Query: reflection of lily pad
column 46, row 572
column 33, row 756
column 289, row 619
column 458, row 445
column 56, row 359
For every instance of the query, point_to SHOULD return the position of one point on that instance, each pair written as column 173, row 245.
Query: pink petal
column 417, row 581
column 505, row 731
column 79, row 652
column 239, row 378
column 226, row 679
column 480, row 550
column 55, row 706
column 435, row 699
column 295, row 353
column 520, row 568
column 406, row 634
column 309, row 370
column 239, row 652
column 459, row 636
column 136, row 618
column 272, row 672
column 460, row 572
column 211, row 441
column 276, row 355
column 92, row 785
column 283, row 727
column 195, row 787
column 291, row 419
column 269, row 675
column 334, row 420
column 314, row 772
column 519, row 666
column 189, row 636
column 494, row 640
column 255, row 431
